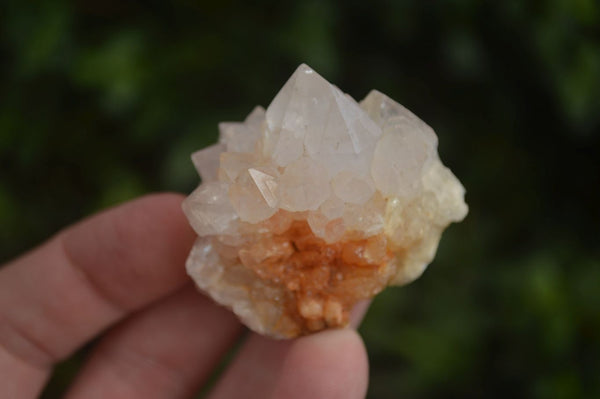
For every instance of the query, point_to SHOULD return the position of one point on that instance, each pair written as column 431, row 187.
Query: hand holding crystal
column 118, row 279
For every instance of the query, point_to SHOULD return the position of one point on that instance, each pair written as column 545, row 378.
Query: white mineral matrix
column 317, row 203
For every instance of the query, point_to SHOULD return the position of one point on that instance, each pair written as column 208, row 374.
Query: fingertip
column 330, row 364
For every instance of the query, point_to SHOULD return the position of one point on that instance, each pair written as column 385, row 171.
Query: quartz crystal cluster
column 317, row 203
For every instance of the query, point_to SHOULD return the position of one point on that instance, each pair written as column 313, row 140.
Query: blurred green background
column 103, row 101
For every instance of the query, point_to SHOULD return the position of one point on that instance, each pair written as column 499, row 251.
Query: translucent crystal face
column 316, row 203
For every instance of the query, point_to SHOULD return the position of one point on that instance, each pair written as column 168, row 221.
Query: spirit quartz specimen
column 317, row 203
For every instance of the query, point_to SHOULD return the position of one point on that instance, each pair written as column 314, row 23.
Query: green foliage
column 104, row 101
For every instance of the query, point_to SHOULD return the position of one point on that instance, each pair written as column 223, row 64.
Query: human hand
column 120, row 275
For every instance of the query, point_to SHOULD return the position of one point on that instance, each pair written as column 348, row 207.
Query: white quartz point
column 332, row 208
column 301, row 104
column 248, row 201
column 266, row 184
column 242, row 137
column 303, row 186
column 390, row 115
column 206, row 161
column 348, row 130
column 209, row 211
column 204, row 264
column 234, row 163
column 407, row 140
column 398, row 163
column 352, row 188
column 356, row 124
column 310, row 110
column 367, row 219
column 404, row 152
column 329, row 230
column 298, row 107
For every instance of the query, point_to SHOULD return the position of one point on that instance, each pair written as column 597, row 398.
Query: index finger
column 57, row 297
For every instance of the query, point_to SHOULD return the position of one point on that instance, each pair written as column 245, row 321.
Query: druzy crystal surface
column 316, row 203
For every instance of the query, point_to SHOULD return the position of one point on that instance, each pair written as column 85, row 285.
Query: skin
column 119, row 277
